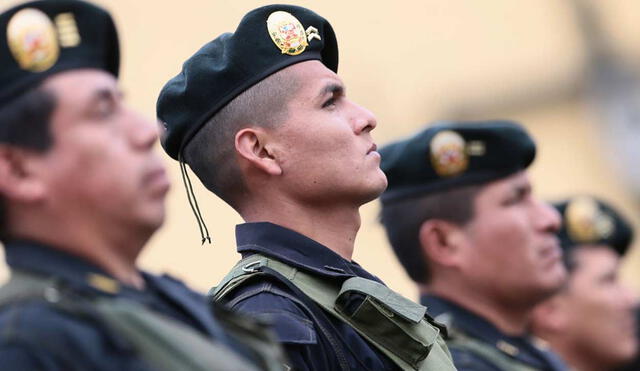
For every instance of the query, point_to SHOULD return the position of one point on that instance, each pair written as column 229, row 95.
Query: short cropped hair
column 402, row 221
column 211, row 153
column 24, row 123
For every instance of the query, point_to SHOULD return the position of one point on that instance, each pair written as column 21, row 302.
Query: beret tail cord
column 191, row 196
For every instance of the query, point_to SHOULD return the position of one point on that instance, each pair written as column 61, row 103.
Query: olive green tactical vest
column 160, row 341
column 396, row 326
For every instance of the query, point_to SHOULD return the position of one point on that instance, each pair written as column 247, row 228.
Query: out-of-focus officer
column 81, row 192
column 591, row 322
column 461, row 217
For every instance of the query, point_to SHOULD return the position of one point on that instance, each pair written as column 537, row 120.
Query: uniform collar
column 521, row 348
column 82, row 276
column 295, row 249
column 74, row 271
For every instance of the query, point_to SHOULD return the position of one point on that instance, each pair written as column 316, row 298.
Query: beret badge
column 33, row 40
column 586, row 222
column 448, row 154
column 287, row 33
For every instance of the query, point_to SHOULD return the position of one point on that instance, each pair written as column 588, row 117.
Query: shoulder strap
column 393, row 324
column 254, row 266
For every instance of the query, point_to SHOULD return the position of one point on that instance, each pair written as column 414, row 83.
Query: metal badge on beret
column 287, row 33
column 586, row 222
column 33, row 40
column 448, row 154
column 68, row 30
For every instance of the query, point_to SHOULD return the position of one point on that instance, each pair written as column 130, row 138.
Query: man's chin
column 374, row 192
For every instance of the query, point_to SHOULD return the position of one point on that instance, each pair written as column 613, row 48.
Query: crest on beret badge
column 287, row 33
column 448, row 155
column 33, row 40
column 586, row 222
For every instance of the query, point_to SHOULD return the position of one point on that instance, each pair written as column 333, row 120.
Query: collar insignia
column 103, row 283
column 510, row 349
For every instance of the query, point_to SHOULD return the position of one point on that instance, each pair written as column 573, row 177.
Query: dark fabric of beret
column 42, row 38
column 587, row 220
column 233, row 62
column 454, row 154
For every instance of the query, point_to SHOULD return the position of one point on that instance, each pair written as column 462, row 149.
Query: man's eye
column 104, row 110
column 330, row 102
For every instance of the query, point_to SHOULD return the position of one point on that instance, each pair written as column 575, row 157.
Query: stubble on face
column 327, row 152
column 513, row 252
column 102, row 163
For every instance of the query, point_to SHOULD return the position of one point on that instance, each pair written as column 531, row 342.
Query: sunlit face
column 510, row 249
column 327, row 153
column 598, row 309
column 101, row 163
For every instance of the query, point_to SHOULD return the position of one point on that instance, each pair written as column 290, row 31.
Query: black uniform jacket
column 306, row 347
column 520, row 348
column 36, row 336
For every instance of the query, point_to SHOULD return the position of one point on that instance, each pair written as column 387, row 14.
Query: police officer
column 81, row 193
column 262, row 118
column 591, row 322
column 461, row 217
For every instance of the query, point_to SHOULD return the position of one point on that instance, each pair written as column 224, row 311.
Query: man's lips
column 373, row 148
column 157, row 181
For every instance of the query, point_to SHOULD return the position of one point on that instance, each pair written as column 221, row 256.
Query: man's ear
column 18, row 180
column 441, row 241
column 253, row 144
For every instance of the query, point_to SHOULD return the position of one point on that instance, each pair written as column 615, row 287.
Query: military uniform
column 313, row 338
column 59, row 311
column 306, row 345
column 477, row 345
column 38, row 334
column 444, row 157
column 328, row 312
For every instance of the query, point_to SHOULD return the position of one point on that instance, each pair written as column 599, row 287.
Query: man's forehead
column 80, row 82
column 596, row 253
column 310, row 71
column 514, row 182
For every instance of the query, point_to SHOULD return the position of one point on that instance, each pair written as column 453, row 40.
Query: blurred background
column 568, row 70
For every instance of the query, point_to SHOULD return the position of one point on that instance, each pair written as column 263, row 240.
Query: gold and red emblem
column 287, row 33
column 33, row 40
column 586, row 222
column 448, row 154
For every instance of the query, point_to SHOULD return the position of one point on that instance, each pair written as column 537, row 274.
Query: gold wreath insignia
column 586, row 222
column 287, row 33
column 33, row 40
column 448, row 155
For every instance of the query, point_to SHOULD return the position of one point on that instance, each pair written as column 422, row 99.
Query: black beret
column 42, row 38
column 267, row 40
column 454, row 154
column 587, row 220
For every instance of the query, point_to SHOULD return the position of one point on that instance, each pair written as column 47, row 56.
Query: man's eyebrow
column 105, row 93
column 522, row 189
column 332, row 89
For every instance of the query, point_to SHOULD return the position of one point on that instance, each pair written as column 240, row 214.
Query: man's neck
column 334, row 227
column 115, row 252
